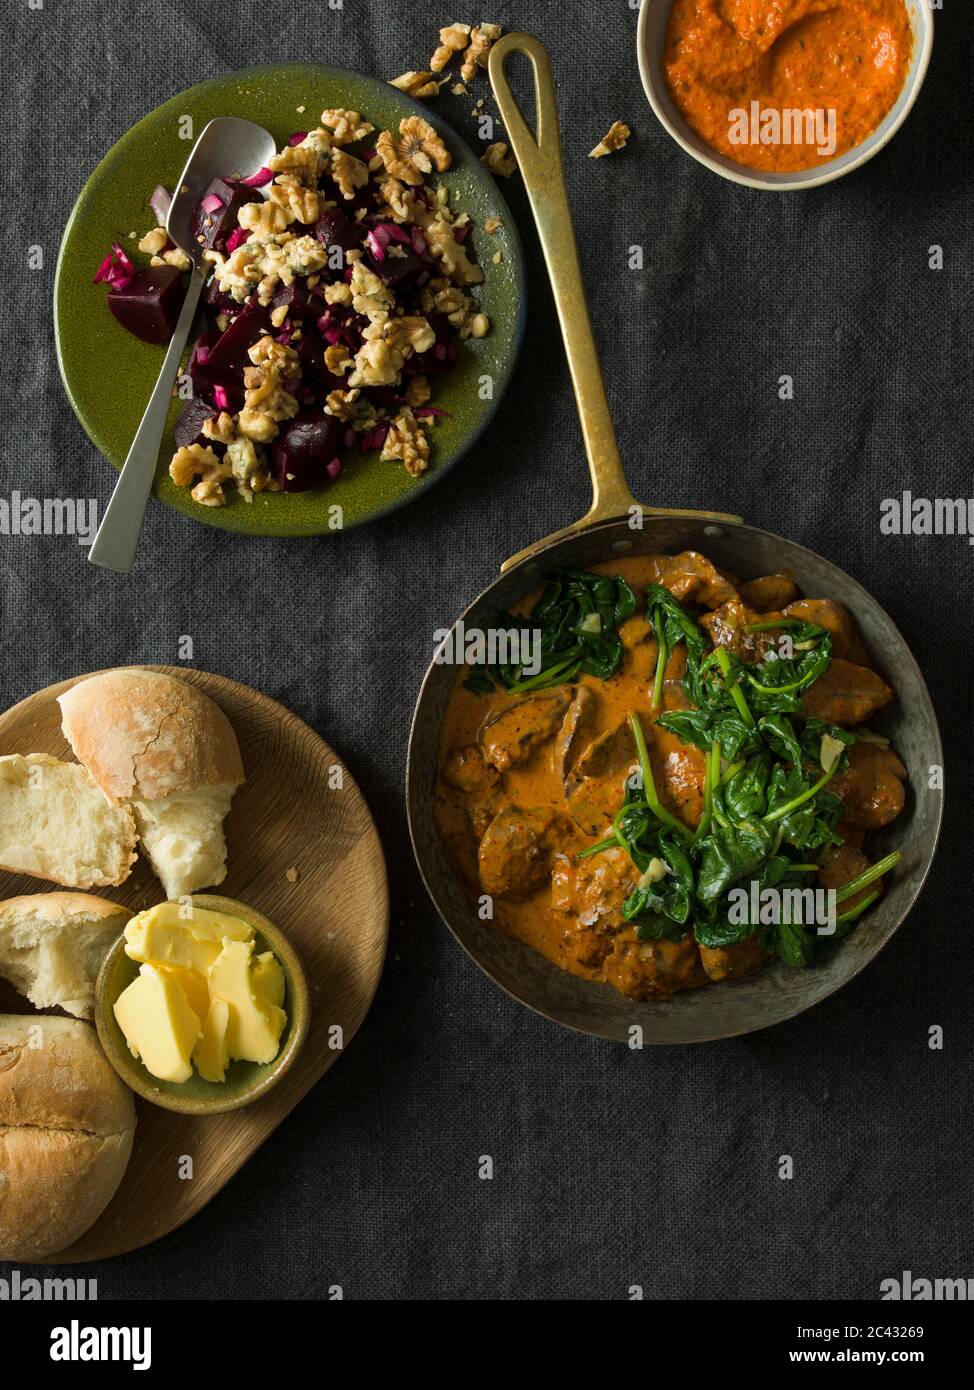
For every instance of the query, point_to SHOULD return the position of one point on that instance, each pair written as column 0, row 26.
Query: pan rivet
column 620, row 547
column 714, row 532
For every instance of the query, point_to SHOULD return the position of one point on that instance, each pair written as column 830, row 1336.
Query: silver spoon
column 227, row 146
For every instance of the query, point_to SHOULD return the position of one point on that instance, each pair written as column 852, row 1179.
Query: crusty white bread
column 183, row 837
column 165, row 747
column 52, row 946
column 66, row 1128
column 55, row 823
column 144, row 735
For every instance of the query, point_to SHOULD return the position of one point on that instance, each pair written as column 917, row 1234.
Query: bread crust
column 143, row 734
column 52, row 946
column 66, row 1128
column 58, row 907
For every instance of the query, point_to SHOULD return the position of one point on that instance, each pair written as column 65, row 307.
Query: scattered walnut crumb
column 338, row 359
column 301, row 110
column 453, row 39
column 278, row 315
column 497, row 257
column 346, row 126
column 492, row 225
column 618, row 134
column 348, row 172
column 417, row 84
column 482, row 40
column 458, row 89
column 292, row 875
column 340, row 403
column 499, row 160
column 221, row 428
column 154, row 242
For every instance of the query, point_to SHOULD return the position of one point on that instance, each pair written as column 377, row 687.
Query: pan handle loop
column 539, row 156
column 540, row 160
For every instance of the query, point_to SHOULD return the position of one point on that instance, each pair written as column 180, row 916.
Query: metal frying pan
column 605, row 532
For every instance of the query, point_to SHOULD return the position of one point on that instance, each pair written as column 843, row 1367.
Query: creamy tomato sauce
column 534, row 784
column 526, row 782
column 738, row 69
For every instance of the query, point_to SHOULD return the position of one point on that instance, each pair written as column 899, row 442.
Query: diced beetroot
column 304, row 449
column 386, row 397
column 441, row 356
column 206, row 376
column 229, row 352
column 189, row 426
column 333, row 228
column 300, row 301
column 214, row 227
column 399, row 267
column 148, row 304
column 216, row 299
column 311, row 350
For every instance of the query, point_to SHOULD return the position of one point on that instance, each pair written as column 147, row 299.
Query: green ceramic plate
column 109, row 374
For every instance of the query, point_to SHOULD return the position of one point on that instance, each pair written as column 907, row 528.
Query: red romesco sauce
column 739, row 69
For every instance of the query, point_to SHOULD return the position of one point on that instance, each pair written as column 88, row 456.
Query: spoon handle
column 118, row 535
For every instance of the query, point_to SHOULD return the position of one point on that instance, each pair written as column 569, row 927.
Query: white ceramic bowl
column 653, row 18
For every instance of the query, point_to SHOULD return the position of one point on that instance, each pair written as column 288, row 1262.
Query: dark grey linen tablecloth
column 612, row 1168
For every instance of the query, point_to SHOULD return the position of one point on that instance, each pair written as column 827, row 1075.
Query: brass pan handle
column 539, row 156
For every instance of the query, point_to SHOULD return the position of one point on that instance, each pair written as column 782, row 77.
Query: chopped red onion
column 373, row 438
column 116, row 270
column 123, row 260
column 258, row 180
column 160, row 203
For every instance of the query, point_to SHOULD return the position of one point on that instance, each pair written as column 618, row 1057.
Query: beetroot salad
column 340, row 289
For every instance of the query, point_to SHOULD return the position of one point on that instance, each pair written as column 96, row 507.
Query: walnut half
column 407, row 440
column 418, row 151
column 201, row 462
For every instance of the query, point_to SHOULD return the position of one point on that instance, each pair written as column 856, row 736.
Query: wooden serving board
column 298, row 809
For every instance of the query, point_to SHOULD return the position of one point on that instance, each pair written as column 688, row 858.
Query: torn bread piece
column 163, row 746
column 52, row 946
column 56, row 823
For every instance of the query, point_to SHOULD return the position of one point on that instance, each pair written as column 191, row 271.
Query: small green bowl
column 245, row 1081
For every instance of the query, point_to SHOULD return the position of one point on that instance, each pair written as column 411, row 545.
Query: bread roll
column 66, row 1128
column 55, row 823
column 162, row 745
column 52, row 946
